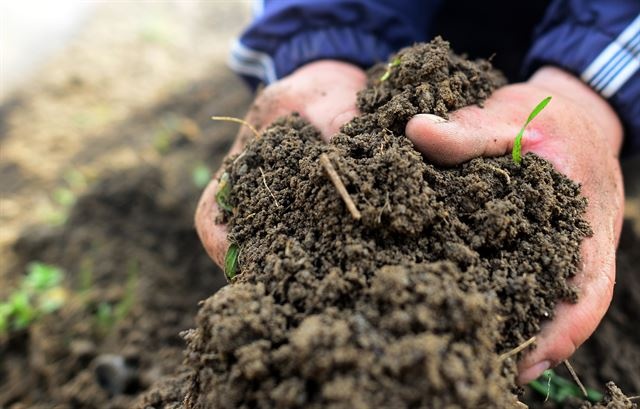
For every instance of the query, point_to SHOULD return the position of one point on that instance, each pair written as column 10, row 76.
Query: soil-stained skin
column 409, row 306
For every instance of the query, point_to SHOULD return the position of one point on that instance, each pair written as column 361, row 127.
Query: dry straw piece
column 337, row 182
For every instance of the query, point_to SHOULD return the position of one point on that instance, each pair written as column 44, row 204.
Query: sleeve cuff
column 609, row 65
column 337, row 43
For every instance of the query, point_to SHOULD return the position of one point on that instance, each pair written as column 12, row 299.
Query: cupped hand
column 581, row 136
column 323, row 92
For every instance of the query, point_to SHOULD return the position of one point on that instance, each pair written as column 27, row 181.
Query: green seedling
column 39, row 294
column 558, row 389
column 107, row 315
column 394, row 63
column 201, row 175
column 231, row 261
column 42, row 276
column 516, row 152
column 224, row 192
column 104, row 317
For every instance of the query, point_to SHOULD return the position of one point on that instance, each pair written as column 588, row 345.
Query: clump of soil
column 613, row 399
column 408, row 306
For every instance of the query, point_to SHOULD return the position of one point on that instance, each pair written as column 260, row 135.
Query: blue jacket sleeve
column 287, row 34
column 599, row 41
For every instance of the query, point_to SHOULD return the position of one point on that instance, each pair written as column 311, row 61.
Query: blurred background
column 73, row 70
column 105, row 145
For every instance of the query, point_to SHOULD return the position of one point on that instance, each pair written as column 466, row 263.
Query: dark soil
column 408, row 306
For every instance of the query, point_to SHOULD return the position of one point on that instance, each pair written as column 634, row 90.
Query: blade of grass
column 558, row 389
column 387, row 73
column 516, row 152
column 238, row 121
column 231, row 261
column 223, row 193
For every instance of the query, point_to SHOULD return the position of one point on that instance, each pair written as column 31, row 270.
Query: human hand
column 581, row 136
column 323, row 92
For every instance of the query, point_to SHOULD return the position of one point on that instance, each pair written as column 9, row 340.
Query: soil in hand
column 409, row 305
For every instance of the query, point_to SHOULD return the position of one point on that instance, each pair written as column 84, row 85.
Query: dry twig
column 574, row 375
column 517, row 349
column 238, row 121
column 337, row 182
column 264, row 180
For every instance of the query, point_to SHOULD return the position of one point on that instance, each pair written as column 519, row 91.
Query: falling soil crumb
column 408, row 306
column 613, row 398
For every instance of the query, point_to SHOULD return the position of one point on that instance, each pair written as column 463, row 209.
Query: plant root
column 517, row 349
column 238, row 121
column 337, row 182
column 574, row 375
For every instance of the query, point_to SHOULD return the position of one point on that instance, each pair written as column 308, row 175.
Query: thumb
column 468, row 133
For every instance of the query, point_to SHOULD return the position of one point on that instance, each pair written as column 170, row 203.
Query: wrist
column 330, row 69
column 560, row 82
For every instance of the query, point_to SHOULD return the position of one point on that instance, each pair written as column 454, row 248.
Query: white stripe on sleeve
column 252, row 62
column 616, row 63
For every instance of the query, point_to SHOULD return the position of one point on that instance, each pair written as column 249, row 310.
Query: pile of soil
column 408, row 306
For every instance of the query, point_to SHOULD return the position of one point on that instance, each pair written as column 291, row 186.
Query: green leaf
column 558, row 389
column 224, row 192
column 6, row 310
column 64, row 197
column 104, row 316
column 231, row 261
column 201, row 176
column 41, row 276
column 516, row 152
column 23, row 312
column 394, row 63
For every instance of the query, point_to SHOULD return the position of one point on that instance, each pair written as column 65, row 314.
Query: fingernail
column 433, row 118
column 533, row 372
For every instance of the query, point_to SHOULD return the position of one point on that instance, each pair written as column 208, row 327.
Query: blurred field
column 57, row 130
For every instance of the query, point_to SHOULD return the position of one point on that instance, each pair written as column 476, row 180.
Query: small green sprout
column 39, row 294
column 201, row 175
column 42, row 276
column 558, row 389
column 107, row 314
column 516, row 153
column 231, row 261
column 224, row 192
column 104, row 317
column 394, row 63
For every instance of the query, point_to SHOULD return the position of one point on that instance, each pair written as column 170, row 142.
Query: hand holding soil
column 581, row 136
column 322, row 91
column 322, row 298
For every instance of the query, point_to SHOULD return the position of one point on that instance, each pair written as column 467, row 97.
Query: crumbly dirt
column 613, row 399
column 446, row 269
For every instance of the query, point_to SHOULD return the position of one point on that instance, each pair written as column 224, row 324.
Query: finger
column 470, row 132
column 574, row 323
column 212, row 235
column 481, row 131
